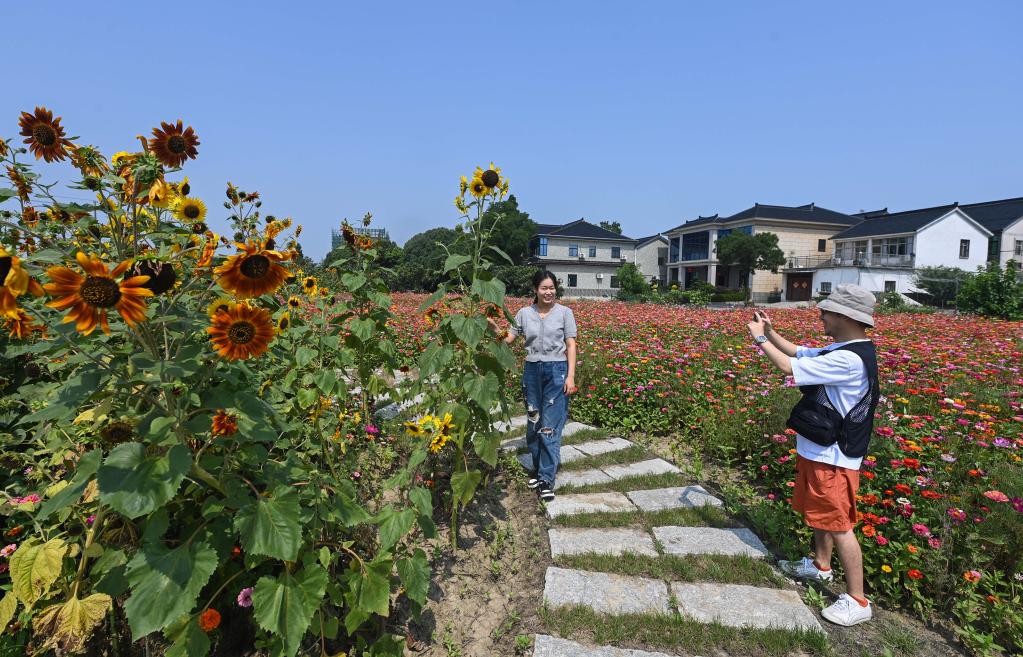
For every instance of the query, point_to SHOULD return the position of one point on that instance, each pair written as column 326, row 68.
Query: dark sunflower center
column 100, row 292
column 223, row 308
column 176, row 144
column 5, row 268
column 44, row 135
column 199, row 228
column 490, row 178
column 255, row 266
column 478, row 187
column 284, row 323
column 310, row 284
column 241, row 332
column 191, row 211
column 118, row 432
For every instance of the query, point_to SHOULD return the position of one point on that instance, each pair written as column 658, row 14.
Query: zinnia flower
column 996, row 496
column 913, row 573
column 172, row 144
column 245, row 597
column 44, row 135
column 252, row 273
column 8, row 550
column 90, row 297
column 209, row 620
column 241, row 332
column 886, row 568
column 972, row 576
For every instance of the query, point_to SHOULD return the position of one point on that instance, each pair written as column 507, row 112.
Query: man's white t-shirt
column 845, row 382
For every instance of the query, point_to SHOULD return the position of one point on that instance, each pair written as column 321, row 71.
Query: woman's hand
column 570, row 388
column 493, row 326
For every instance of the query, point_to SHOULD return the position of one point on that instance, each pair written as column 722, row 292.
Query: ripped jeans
column 543, row 387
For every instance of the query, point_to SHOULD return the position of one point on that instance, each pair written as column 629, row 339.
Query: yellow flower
column 283, row 322
column 886, row 568
column 188, row 209
column 413, row 429
column 477, row 188
column 460, row 204
column 222, row 304
column 438, row 442
column 309, row 286
column 14, row 281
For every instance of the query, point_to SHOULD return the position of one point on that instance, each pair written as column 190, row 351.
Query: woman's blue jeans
column 543, row 387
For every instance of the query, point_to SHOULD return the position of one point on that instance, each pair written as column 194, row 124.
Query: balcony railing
column 816, row 261
column 808, row 262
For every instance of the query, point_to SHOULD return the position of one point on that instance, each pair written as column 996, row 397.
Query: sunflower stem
column 199, row 473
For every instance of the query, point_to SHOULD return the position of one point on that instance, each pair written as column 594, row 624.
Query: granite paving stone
column 513, row 444
column 581, row 478
column 709, row 540
column 596, row 447
column 567, row 505
column 573, row 428
column 658, row 499
column 549, row 646
column 611, row 540
column 739, row 605
column 605, row 593
column 650, row 467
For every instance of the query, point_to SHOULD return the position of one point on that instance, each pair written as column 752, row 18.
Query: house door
column 798, row 288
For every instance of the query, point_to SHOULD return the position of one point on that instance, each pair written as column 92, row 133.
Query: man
column 834, row 421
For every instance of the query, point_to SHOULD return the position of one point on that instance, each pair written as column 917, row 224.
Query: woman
column 548, row 377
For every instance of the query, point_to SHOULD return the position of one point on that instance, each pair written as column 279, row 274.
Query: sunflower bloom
column 294, row 302
column 309, row 286
column 20, row 326
column 44, row 135
column 89, row 161
column 221, row 305
column 477, row 188
column 21, row 184
column 89, row 297
column 208, row 251
column 172, row 144
column 224, row 424
column 253, row 273
column 283, row 323
column 189, row 210
column 14, row 281
column 242, row 332
column 438, row 441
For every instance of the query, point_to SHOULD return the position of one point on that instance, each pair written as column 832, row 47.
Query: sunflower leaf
column 8, row 605
column 34, row 566
column 454, row 261
column 501, row 253
column 188, row 639
column 7, row 193
column 165, row 584
column 285, row 606
column 394, row 525
column 86, row 470
column 433, row 298
column 415, row 576
column 469, row 330
column 463, row 485
column 492, row 290
column 135, row 484
column 69, row 625
column 270, row 525
column 434, row 358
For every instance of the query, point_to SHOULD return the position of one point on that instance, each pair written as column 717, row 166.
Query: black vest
column 816, row 419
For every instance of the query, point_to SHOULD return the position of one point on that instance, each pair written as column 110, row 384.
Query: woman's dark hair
column 539, row 277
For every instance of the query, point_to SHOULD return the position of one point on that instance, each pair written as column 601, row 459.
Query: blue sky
column 648, row 113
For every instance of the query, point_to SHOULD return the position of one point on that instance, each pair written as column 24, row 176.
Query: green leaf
column 415, row 576
column 160, row 428
column 270, row 525
column 503, row 354
column 285, row 606
column 188, row 639
column 34, row 566
column 435, row 357
column 135, row 484
column 420, row 497
column 8, row 605
column 492, row 290
column 455, row 261
column 307, row 397
column 481, row 389
column 486, row 445
column 469, row 330
column 6, row 193
column 87, row 467
column 501, row 253
column 304, row 356
column 165, row 584
column 394, row 525
column 463, row 485
column 325, row 380
column 372, row 586
column 351, row 512
column 362, row 328
column 353, row 281
column 432, row 299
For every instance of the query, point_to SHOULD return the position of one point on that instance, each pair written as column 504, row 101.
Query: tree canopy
column 513, row 230
column 750, row 253
column 613, row 226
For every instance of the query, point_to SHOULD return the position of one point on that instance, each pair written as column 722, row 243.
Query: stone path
column 733, row 605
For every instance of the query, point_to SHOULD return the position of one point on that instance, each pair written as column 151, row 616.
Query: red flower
column 913, row 573
column 209, row 620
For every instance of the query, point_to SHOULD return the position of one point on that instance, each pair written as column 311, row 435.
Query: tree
column 750, row 253
column 513, row 230
column 612, row 226
column 631, row 283
column 993, row 292
column 940, row 283
column 423, row 258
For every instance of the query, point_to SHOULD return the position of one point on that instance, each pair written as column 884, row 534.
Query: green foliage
column 891, row 302
column 750, row 252
column 993, row 292
column 511, row 230
column 613, row 226
column 631, row 282
column 940, row 284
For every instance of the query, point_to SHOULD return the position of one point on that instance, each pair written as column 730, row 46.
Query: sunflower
column 309, row 286
column 413, row 429
column 90, row 297
column 44, row 135
column 118, row 432
column 364, row 242
column 491, row 177
column 162, row 194
column 252, row 273
column 241, row 332
column 460, row 204
column 294, row 302
column 222, row 304
column 14, row 281
column 477, row 188
column 20, row 325
column 208, row 251
column 174, row 144
column 3, row 148
column 21, row 184
column 189, row 209
column 89, row 161
column 445, row 424
column 283, row 323
column 121, row 159
column 224, row 424
column 438, row 441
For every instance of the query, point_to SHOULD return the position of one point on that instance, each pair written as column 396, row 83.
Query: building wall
column 938, row 244
column 1011, row 233
column 870, row 278
column 794, row 242
column 557, row 248
column 646, row 259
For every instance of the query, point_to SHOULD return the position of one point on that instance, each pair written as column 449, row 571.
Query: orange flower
column 91, row 296
column 209, row 620
column 912, row 549
column 44, row 135
column 14, row 281
column 241, row 332
column 868, row 530
column 21, row 184
column 224, row 424
column 21, row 326
column 174, row 144
column 913, row 573
column 253, row 273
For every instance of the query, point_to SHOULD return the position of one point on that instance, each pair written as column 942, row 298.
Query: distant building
column 373, row 233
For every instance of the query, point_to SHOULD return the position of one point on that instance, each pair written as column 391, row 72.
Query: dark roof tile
column 580, row 228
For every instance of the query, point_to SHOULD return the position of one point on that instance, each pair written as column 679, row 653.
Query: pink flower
column 921, row 530
column 934, row 542
column 245, row 597
column 996, row 496
column 372, row 429
column 9, row 550
column 881, row 540
column 90, row 520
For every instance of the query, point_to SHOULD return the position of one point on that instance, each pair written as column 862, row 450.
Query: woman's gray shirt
column 545, row 338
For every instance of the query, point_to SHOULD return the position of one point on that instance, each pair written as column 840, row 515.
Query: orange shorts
column 825, row 495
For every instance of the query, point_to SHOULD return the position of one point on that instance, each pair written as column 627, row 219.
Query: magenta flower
column 245, row 597
column 372, row 430
column 8, row 550
column 996, row 496
column 934, row 542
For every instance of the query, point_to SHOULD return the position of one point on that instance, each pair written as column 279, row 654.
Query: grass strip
column 726, row 569
column 701, row 516
column 627, row 455
column 637, row 482
column 675, row 632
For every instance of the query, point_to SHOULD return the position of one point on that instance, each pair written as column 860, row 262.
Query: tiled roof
column 895, row 222
column 995, row 215
column 643, row 240
column 810, row 213
column 581, row 229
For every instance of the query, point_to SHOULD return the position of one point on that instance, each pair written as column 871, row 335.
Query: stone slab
column 739, row 605
column 549, row 646
column 710, row 540
column 611, row 540
column 569, row 505
column 515, row 423
column 606, row 446
column 649, row 467
column 581, row 478
column 658, row 499
column 513, row 444
column 605, row 593
column 568, row 454
column 574, row 428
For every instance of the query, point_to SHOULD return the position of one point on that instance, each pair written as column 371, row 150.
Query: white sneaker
column 805, row 569
column 533, row 483
column 846, row 611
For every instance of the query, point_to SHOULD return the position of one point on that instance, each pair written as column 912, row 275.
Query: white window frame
column 964, row 254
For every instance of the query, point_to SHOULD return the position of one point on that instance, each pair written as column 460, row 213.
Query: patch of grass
column 899, row 639
column 741, row 569
column 701, row 516
column 627, row 455
column 675, row 632
column 638, row 482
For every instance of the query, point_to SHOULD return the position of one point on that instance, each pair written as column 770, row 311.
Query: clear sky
column 648, row 113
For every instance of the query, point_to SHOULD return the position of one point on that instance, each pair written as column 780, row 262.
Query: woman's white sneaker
column 805, row 569
column 846, row 611
column 533, row 484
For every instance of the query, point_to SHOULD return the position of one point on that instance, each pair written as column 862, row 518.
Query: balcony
column 861, row 260
column 808, row 262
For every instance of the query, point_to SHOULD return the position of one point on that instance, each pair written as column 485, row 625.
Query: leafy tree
column 423, row 257
column 941, row 283
column 513, row 229
column 612, row 226
column 993, row 292
column 518, row 279
column 631, row 283
column 750, row 253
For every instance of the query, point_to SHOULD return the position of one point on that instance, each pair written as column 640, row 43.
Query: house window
column 616, row 252
column 696, row 246
column 1018, row 250
column 889, row 286
column 593, row 252
column 614, row 282
column 660, row 261
column 573, row 280
column 825, row 287
column 964, row 249
column 822, row 245
column 674, row 275
column 542, row 248
column 573, row 250
column 673, row 249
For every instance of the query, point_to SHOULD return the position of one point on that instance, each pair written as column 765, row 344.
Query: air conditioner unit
column 600, row 276
column 582, row 257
